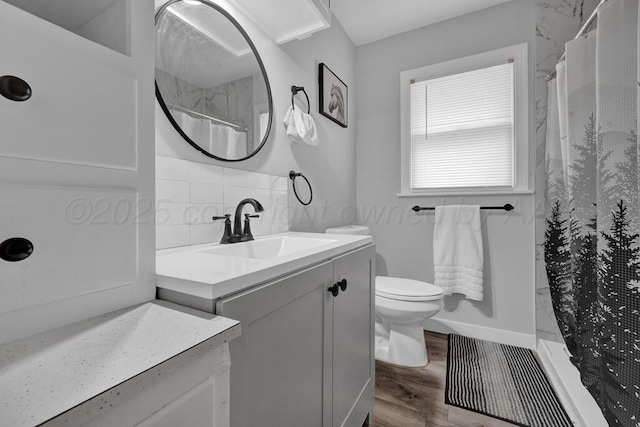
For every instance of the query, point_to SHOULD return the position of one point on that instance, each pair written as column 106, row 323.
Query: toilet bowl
column 401, row 308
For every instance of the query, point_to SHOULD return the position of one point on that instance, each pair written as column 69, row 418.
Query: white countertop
column 191, row 271
column 52, row 372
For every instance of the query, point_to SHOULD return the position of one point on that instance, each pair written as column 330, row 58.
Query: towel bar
column 507, row 207
column 292, row 176
column 294, row 91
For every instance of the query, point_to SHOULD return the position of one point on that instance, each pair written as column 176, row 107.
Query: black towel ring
column 292, row 177
column 294, row 91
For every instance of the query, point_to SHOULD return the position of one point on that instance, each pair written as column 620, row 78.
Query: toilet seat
column 396, row 288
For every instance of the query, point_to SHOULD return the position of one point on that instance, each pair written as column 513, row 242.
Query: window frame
column 521, row 147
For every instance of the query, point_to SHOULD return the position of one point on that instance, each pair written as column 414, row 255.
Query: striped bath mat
column 501, row 381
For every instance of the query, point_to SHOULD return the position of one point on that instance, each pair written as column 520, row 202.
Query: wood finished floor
column 414, row 397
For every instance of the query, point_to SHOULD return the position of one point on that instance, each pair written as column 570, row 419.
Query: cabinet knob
column 334, row 290
column 16, row 249
column 14, row 88
column 343, row 284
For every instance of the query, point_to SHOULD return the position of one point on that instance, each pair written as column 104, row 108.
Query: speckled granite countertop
column 47, row 374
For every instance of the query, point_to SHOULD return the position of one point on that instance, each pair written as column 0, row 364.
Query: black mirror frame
column 262, row 69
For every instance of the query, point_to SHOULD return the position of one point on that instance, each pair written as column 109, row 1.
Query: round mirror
column 210, row 80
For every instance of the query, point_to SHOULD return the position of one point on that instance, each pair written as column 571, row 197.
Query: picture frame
column 334, row 97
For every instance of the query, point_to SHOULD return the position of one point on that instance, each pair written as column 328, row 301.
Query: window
column 465, row 125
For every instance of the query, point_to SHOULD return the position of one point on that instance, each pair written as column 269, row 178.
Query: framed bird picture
column 333, row 96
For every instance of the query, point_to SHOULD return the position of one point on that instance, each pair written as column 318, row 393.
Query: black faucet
column 227, row 235
column 238, row 233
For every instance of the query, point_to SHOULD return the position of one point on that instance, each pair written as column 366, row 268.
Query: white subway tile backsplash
column 233, row 196
column 209, row 174
column 203, row 213
column 205, row 233
column 172, row 191
column 260, row 226
column 173, row 169
column 171, row 236
column 205, row 193
column 279, row 213
column 189, row 194
column 279, row 198
column 279, row 228
column 279, row 183
column 240, row 178
column 171, row 213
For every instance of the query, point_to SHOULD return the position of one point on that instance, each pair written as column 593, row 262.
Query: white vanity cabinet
column 352, row 344
column 155, row 364
column 79, row 153
column 305, row 357
column 193, row 394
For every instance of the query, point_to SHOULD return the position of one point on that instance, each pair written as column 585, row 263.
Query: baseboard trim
column 481, row 332
column 565, row 378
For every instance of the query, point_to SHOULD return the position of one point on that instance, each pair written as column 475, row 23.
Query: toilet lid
column 406, row 289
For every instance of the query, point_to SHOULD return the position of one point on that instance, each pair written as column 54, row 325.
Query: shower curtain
column 220, row 140
column 592, row 242
column 196, row 128
column 227, row 142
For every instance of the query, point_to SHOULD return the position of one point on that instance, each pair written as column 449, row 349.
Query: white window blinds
column 462, row 130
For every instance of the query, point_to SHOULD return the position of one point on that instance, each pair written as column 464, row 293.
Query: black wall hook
column 294, row 91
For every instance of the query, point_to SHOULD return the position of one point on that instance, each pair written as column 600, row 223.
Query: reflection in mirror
column 210, row 80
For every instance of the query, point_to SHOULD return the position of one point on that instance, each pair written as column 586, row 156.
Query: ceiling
column 363, row 20
column 366, row 21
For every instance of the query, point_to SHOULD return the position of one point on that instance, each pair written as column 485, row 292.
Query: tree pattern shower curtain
column 592, row 241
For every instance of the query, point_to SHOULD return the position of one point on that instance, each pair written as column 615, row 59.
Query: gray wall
column 330, row 165
column 404, row 239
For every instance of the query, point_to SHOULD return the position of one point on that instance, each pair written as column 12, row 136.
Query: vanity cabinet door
column 83, row 107
column 280, row 368
column 353, row 350
column 193, row 408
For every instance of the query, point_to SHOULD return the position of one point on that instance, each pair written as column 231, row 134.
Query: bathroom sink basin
column 267, row 248
column 213, row 271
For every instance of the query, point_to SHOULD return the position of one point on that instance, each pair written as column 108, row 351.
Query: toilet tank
column 349, row 229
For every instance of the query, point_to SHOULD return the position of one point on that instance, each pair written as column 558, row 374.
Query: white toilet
column 402, row 307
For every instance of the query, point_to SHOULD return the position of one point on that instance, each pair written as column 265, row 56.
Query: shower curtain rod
column 580, row 33
column 204, row 116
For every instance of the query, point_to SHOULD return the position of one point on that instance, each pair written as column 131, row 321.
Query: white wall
column 330, row 165
column 404, row 239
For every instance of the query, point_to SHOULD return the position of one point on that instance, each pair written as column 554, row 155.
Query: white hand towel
column 290, row 125
column 457, row 251
column 301, row 128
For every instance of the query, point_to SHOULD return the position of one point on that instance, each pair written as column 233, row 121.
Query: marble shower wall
column 233, row 102
column 557, row 21
column 185, row 94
